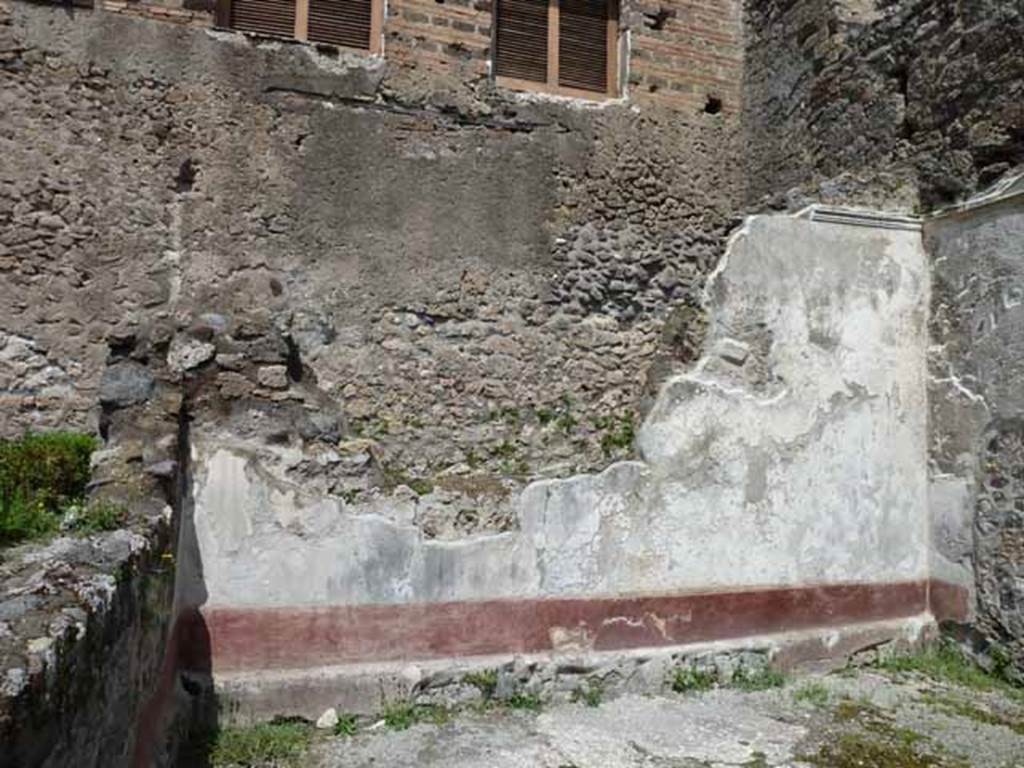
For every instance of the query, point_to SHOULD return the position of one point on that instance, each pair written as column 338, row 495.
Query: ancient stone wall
column 488, row 286
column 416, row 288
column 976, row 381
column 401, row 308
column 87, row 669
column 802, row 425
column 84, row 187
column 899, row 103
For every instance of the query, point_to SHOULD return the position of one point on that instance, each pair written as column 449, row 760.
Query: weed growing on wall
column 687, row 679
column 95, row 517
column 618, row 433
column 486, row 681
column 757, row 678
column 40, row 476
column 590, row 694
column 394, row 476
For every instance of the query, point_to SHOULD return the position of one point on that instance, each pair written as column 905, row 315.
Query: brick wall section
column 680, row 52
column 439, row 35
column 685, row 51
column 164, row 11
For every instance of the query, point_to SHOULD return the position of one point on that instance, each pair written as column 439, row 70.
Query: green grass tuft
column 687, row 679
column 281, row 743
column 402, row 715
column 815, row 694
column 347, row 725
column 399, row 715
column 590, row 694
column 757, row 679
column 947, row 663
column 485, row 680
column 528, row 701
column 25, row 519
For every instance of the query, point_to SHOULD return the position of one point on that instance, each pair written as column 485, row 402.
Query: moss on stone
column 870, row 739
column 864, row 750
column 956, row 706
column 945, row 662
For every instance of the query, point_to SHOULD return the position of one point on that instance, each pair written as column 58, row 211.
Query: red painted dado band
column 292, row 638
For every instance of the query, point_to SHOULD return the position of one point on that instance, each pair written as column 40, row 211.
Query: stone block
column 126, row 383
column 272, row 376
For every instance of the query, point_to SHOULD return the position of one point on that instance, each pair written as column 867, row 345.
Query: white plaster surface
column 801, row 463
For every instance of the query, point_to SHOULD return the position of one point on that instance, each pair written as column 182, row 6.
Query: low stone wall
column 85, row 677
column 551, row 678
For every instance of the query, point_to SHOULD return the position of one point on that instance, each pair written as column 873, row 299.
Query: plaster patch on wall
column 834, row 436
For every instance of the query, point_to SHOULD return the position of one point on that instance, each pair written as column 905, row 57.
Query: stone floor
column 866, row 719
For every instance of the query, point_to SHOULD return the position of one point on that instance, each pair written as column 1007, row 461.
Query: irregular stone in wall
column 27, row 370
column 999, row 538
column 186, row 354
column 916, row 103
column 272, row 376
column 126, row 383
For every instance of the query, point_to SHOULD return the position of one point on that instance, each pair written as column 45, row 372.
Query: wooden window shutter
column 521, row 40
column 569, row 46
column 341, row 22
column 353, row 23
column 583, row 45
column 268, row 17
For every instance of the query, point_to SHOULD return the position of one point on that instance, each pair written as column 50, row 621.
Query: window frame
column 301, row 30
column 551, row 86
